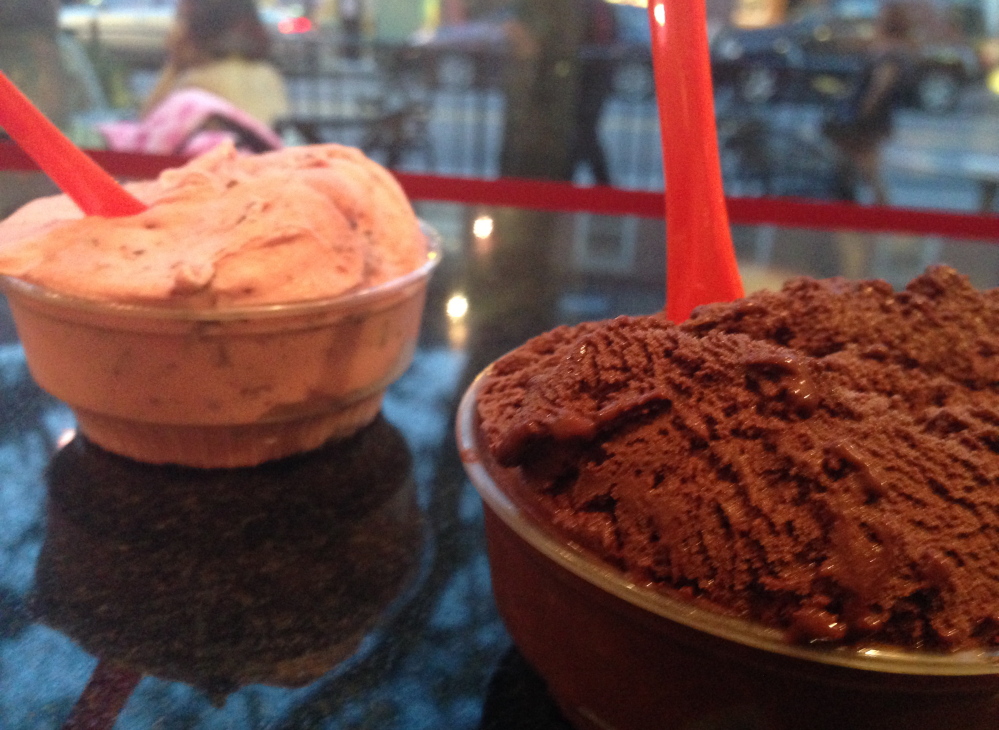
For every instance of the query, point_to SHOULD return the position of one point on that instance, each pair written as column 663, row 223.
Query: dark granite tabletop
column 348, row 587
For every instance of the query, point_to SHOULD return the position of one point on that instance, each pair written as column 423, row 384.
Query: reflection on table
column 223, row 578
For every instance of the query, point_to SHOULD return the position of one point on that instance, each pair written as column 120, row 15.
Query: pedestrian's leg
column 597, row 156
column 845, row 176
column 988, row 188
column 869, row 163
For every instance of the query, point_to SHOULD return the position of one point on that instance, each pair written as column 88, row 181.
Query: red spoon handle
column 76, row 174
column 700, row 259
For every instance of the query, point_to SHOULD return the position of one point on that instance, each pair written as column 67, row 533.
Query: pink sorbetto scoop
column 70, row 168
column 700, row 260
column 258, row 308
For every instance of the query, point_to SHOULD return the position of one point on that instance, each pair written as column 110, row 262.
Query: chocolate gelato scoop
column 824, row 459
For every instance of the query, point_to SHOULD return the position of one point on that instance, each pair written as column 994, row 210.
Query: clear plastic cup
column 622, row 656
column 221, row 387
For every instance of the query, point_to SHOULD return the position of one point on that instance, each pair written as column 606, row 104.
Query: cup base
column 609, row 665
column 226, row 447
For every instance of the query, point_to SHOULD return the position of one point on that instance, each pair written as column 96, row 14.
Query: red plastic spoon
column 700, row 259
column 82, row 179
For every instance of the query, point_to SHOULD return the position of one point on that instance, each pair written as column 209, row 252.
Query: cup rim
column 347, row 301
column 586, row 565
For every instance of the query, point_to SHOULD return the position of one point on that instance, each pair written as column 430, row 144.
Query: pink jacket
column 189, row 122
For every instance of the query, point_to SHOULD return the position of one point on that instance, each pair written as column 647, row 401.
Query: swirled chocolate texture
column 823, row 459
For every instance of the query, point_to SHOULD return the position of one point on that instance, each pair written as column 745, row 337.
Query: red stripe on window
column 563, row 197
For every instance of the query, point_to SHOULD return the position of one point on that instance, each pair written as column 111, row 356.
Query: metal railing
column 444, row 113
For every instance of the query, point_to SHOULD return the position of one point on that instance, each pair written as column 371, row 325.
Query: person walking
column 596, row 82
column 866, row 119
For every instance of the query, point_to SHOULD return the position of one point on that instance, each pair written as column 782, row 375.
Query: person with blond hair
column 218, row 84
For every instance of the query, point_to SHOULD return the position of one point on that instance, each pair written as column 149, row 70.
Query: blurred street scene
column 432, row 86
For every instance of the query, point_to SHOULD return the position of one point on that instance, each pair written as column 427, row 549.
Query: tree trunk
column 541, row 89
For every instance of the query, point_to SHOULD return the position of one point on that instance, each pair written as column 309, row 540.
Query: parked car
column 820, row 48
column 135, row 30
column 473, row 53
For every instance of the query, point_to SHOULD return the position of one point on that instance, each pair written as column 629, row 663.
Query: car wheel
column 633, row 81
column 758, row 84
column 938, row 91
